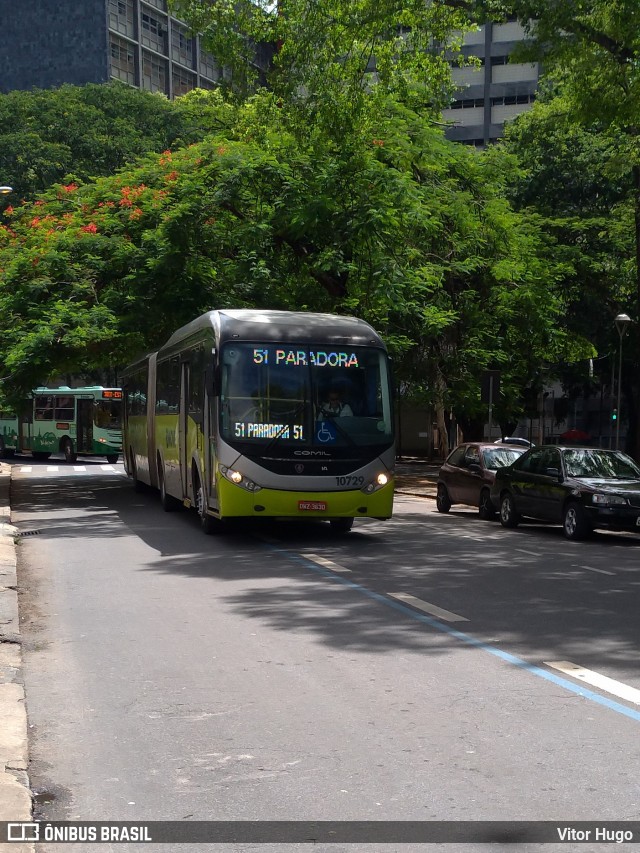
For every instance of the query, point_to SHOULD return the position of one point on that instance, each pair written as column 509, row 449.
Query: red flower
column 91, row 228
column 35, row 221
column 8, row 210
column 172, row 176
column 69, row 188
column 378, row 142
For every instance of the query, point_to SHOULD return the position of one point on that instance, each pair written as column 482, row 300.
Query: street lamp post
column 6, row 190
column 622, row 322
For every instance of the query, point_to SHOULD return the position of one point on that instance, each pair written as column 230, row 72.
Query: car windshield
column 585, row 462
column 500, row 457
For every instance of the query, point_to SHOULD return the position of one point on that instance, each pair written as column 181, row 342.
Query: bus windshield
column 108, row 414
column 305, row 396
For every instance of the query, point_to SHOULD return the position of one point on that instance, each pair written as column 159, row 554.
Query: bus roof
column 286, row 326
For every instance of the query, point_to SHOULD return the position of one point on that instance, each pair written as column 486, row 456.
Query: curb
column 15, row 794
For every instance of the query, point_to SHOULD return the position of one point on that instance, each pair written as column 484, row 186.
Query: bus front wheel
column 112, row 458
column 341, row 525
column 69, row 453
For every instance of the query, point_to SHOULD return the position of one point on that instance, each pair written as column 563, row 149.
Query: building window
column 154, row 32
column 121, row 18
column 183, row 82
column 154, row 73
column 467, row 104
column 182, row 46
column 123, row 63
column 499, row 60
column 509, row 100
column 209, row 66
column 158, row 4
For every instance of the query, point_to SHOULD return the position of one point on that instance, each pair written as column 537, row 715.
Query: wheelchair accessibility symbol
column 326, row 432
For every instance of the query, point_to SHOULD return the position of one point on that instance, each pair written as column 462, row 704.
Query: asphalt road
column 431, row 667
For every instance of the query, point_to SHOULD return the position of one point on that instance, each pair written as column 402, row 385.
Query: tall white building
column 493, row 92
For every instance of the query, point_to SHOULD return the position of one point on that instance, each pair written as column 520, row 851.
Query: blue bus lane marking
column 507, row 657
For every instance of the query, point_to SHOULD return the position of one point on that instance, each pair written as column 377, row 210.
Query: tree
column 84, row 132
column 591, row 52
column 410, row 231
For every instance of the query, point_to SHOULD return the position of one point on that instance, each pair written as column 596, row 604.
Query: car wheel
column 443, row 501
column 486, row 509
column 70, row 455
column 574, row 522
column 341, row 525
column 508, row 514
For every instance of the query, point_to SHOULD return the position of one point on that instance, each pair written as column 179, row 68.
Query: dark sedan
column 468, row 473
column 582, row 488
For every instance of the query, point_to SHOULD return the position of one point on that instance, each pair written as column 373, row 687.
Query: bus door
column 183, row 448
column 25, row 425
column 84, row 432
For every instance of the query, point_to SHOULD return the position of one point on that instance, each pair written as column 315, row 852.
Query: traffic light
column 614, row 415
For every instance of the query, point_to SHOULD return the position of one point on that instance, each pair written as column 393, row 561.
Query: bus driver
column 334, row 407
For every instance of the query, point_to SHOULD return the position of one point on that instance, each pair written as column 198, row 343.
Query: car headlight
column 609, row 500
column 378, row 482
column 238, row 479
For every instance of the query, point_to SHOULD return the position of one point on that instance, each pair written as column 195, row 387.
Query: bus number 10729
column 350, row 481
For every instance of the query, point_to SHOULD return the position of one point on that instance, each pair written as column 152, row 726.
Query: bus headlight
column 377, row 483
column 238, row 479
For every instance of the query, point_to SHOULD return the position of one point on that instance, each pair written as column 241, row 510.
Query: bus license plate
column 638, row 521
column 317, row 506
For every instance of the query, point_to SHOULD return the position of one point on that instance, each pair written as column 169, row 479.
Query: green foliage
column 84, row 131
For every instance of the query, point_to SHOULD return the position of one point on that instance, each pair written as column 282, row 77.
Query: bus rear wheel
column 168, row 502
column 69, row 453
column 341, row 525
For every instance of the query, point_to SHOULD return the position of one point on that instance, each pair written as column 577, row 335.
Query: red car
column 468, row 474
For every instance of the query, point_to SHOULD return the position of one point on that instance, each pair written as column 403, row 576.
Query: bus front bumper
column 236, row 502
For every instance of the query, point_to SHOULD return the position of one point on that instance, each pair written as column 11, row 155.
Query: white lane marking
column 591, row 569
column 107, row 468
column 26, row 469
column 432, row 609
column 52, row 467
column 322, row 561
column 79, row 467
column 531, row 553
column 609, row 685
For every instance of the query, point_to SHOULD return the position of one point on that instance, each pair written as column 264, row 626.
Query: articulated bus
column 246, row 413
column 72, row 421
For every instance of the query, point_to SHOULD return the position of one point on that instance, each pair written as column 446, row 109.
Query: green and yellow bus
column 247, row 413
column 71, row 421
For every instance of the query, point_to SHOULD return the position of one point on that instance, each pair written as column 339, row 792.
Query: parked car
column 514, row 439
column 468, row 473
column 582, row 488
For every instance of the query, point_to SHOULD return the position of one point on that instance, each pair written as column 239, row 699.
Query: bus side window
column 65, row 409
column 44, row 408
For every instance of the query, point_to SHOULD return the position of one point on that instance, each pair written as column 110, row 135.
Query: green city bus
column 228, row 417
column 71, row 421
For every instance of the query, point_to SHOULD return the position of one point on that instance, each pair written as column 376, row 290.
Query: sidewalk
column 417, row 477
column 15, row 796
